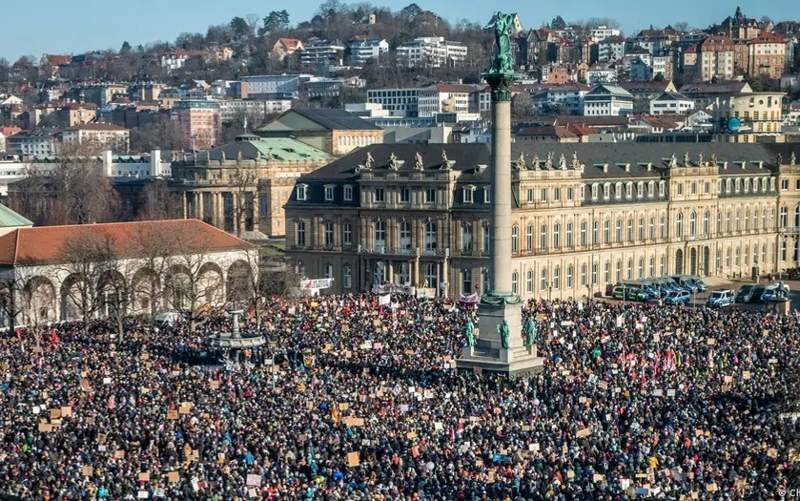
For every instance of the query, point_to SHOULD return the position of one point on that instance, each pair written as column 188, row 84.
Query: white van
column 167, row 318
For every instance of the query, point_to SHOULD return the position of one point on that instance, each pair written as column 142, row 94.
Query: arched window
column 663, row 225
column 584, row 242
column 641, row 268
column 606, row 231
column 652, row 268
column 529, row 237
column 569, row 276
column 543, row 237
column 652, row 228
column 728, row 221
column 747, row 219
column 514, row 278
column 466, row 238
column 679, row 225
column 630, row 229
column 557, row 277
column 570, row 241
column 583, row 274
column 515, row 239
column 706, row 228
column 641, row 228
column 784, row 217
column 529, row 281
column 618, row 231
column 327, row 270
column 556, row 236
column 692, row 224
column 738, row 213
column 543, row 283
column 629, row 270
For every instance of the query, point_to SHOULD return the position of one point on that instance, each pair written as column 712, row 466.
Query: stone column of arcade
column 500, row 346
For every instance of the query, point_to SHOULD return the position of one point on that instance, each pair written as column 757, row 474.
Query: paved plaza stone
column 351, row 399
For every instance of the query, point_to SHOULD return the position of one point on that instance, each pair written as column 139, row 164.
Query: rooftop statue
column 503, row 62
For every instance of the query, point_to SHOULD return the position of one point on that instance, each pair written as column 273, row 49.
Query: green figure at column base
column 500, row 298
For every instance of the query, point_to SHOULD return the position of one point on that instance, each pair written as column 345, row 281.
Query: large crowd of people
column 353, row 398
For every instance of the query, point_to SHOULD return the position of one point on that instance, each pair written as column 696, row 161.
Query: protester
column 354, row 398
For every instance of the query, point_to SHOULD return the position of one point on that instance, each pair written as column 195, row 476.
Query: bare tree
column 243, row 181
column 92, row 280
column 153, row 247
column 191, row 282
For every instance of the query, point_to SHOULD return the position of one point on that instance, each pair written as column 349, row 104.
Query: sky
column 58, row 27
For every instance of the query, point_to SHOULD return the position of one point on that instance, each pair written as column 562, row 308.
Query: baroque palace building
column 584, row 216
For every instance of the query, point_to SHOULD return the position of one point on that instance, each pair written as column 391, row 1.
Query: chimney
column 605, row 168
column 627, row 167
column 155, row 163
column 108, row 160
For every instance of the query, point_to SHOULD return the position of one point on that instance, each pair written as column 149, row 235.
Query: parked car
column 720, row 299
column 775, row 292
column 678, row 297
column 745, row 294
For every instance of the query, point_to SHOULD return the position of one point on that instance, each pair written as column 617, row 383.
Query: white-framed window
column 380, row 195
column 405, row 195
column 468, row 194
column 514, row 280
column 348, row 193
column 543, row 237
column 487, row 195
column 430, row 236
column 557, row 277
column 543, row 282
column 466, row 280
column 302, row 192
column 569, row 276
column 529, row 281
column 529, row 237
column 380, row 233
column 347, row 234
column 569, row 237
column 328, row 234
column 329, row 190
column 514, row 239
column 405, row 235
column 430, row 196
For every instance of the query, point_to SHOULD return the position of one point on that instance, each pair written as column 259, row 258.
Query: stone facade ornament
column 575, row 163
column 419, row 164
column 520, row 165
column 792, row 159
column 535, row 162
column 369, row 161
column 700, row 160
column 673, row 161
column 686, row 161
column 548, row 163
column 562, row 162
column 447, row 164
column 394, row 162
column 713, row 159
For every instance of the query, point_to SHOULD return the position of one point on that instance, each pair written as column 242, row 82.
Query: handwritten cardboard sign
column 353, row 459
column 253, row 480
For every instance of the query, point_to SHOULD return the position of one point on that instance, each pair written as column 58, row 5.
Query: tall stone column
column 501, row 345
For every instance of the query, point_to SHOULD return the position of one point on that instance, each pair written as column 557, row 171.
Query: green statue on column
column 502, row 24
column 529, row 332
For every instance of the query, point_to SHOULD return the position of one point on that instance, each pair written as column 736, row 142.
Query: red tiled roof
column 43, row 244
column 99, row 126
column 290, row 43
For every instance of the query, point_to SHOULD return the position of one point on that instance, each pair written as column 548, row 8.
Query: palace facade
column 585, row 216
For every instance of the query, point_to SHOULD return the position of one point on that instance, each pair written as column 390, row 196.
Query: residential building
column 271, row 86
column 322, row 53
column 562, row 99
column 607, row 99
column 706, row 94
column 671, row 103
column 432, row 52
column 749, row 117
column 221, row 265
column 100, row 136
column 644, row 92
column 173, row 61
column 738, row 27
column 766, row 55
column 399, row 102
column 546, row 134
column 231, row 109
column 584, row 216
column 662, row 65
column 39, row 143
column 362, row 50
column 199, row 122
column 611, row 49
column 241, row 187
column 72, row 114
column 453, row 98
column 601, row 73
column 715, row 57
column 333, row 131
column 603, row 32
column 284, row 47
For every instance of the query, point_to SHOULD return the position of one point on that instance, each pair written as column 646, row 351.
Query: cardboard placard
column 585, row 432
column 119, row 454
column 343, row 406
column 772, row 452
column 354, row 422
column 87, row 471
column 144, row 476
column 172, row 477
column 55, row 413
column 746, row 375
column 66, row 411
column 172, row 414
column 214, row 384
column 185, row 408
column 353, row 459
column 411, row 435
column 253, row 480
column 45, row 427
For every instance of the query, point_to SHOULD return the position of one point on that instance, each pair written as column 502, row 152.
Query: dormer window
column 487, row 196
column 380, row 195
column 302, row 192
column 329, row 192
column 348, row 193
column 468, row 194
